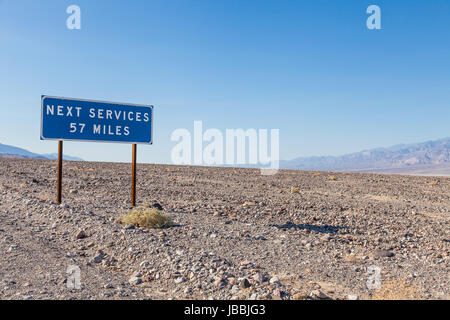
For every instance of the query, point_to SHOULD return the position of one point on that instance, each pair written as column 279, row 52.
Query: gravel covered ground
column 238, row 234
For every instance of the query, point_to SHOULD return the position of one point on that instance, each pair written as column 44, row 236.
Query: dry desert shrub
column 294, row 190
column 145, row 216
column 434, row 183
column 332, row 178
column 393, row 289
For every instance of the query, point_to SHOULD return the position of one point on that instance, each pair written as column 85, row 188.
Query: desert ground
column 237, row 234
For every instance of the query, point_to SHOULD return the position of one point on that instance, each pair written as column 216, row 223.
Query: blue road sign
column 97, row 121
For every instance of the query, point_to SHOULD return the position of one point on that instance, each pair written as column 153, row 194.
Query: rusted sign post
column 59, row 175
column 95, row 121
column 133, row 175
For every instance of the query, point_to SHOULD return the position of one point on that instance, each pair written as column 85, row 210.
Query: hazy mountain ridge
column 7, row 151
column 402, row 156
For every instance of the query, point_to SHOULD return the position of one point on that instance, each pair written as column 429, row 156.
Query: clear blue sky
column 310, row 68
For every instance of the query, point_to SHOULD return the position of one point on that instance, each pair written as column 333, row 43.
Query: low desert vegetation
column 332, row 178
column 393, row 289
column 147, row 217
column 294, row 190
column 434, row 183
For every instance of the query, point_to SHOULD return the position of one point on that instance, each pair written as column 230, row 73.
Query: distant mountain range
column 431, row 157
column 426, row 158
column 7, row 151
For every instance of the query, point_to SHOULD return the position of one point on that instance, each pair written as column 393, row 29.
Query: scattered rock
column 244, row 283
column 179, row 280
column 81, row 234
column 135, row 280
column 13, row 248
column 276, row 293
column 380, row 253
column 258, row 277
column 318, row 294
column 274, row 280
column 157, row 206
column 300, row 296
column 97, row 259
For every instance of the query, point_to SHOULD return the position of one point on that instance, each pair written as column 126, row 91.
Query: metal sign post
column 95, row 121
column 133, row 175
column 59, row 175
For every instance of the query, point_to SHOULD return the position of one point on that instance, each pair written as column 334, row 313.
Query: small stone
column 218, row 282
column 276, row 293
column 144, row 264
column 317, row 294
column 97, row 259
column 352, row 297
column 258, row 277
column 157, row 206
column 135, row 280
column 179, row 280
column 274, row 280
column 254, row 296
column 380, row 253
column 299, row 296
column 187, row 290
column 245, row 263
column 244, row 283
column 81, row 234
